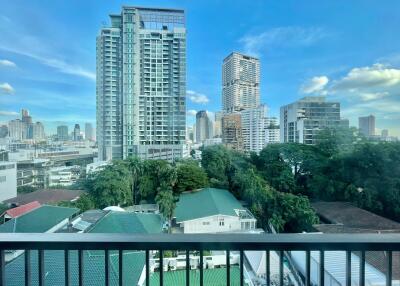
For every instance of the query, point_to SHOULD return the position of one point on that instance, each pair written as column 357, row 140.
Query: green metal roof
column 38, row 220
column 206, row 202
column 212, row 277
column 124, row 222
column 113, row 222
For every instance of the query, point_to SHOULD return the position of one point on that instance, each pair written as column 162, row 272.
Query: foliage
column 26, row 189
column 190, row 176
column 166, row 202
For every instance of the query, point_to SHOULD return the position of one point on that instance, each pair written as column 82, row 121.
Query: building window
column 221, row 222
column 3, row 179
column 206, row 223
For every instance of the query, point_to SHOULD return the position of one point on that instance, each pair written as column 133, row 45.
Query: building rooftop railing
column 280, row 243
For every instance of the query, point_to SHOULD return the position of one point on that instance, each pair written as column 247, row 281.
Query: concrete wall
column 8, row 180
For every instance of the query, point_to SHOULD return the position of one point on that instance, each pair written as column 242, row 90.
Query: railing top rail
column 86, row 241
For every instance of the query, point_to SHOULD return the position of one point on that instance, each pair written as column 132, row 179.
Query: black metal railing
column 199, row 242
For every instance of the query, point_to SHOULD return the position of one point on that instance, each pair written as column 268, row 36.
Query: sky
column 348, row 51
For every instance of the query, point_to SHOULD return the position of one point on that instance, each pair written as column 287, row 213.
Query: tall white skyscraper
column 240, row 82
column 141, row 84
column 258, row 130
column 38, row 131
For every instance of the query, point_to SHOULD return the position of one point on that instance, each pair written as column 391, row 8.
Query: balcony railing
column 281, row 243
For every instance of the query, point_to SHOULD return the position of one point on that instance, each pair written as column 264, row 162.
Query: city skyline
column 50, row 69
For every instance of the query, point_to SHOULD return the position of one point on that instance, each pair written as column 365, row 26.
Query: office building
column 77, row 133
column 62, row 133
column 232, row 136
column 240, row 82
column 204, row 126
column 272, row 131
column 8, row 180
column 253, row 128
column 38, row 131
column 141, row 84
column 17, row 129
column 366, row 125
column 89, row 132
column 217, row 130
column 385, row 133
column 301, row 120
column 3, row 131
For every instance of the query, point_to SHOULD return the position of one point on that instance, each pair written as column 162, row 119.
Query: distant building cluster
column 23, row 129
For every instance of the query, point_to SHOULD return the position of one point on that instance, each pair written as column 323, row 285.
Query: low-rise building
column 219, row 211
column 8, row 180
column 63, row 176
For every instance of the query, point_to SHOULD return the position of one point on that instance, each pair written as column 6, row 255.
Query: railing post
column 147, row 268
column 161, row 268
column 280, row 267
column 187, row 268
column 41, row 267
column 348, row 268
column 308, row 268
column 201, row 268
column 66, row 267
column 268, row 270
column 228, row 268
column 2, row 268
column 362, row 268
column 241, row 268
column 106, row 267
column 389, row 268
column 120, row 268
column 321, row 268
column 27, row 267
column 80, row 267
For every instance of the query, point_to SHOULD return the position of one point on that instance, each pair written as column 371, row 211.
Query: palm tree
column 166, row 202
column 135, row 166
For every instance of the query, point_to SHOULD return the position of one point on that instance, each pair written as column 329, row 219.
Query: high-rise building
column 217, row 124
column 3, row 131
column 17, row 129
column 366, row 125
column 62, row 133
column 89, row 132
column 38, row 131
column 141, row 84
column 203, row 126
column 77, row 133
column 301, row 120
column 272, row 131
column 384, row 133
column 240, row 82
column 232, row 131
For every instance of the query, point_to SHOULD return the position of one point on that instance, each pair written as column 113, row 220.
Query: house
column 18, row 211
column 45, row 197
column 212, row 210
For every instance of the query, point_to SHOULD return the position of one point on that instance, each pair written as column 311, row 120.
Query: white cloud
column 374, row 76
column 254, row 44
column 6, row 88
column 191, row 112
column 8, row 113
column 314, row 85
column 368, row 96
column 57, row 64
column 197, row 97
column 7, row 63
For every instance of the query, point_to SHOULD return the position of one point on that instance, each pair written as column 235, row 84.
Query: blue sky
column 346, row 50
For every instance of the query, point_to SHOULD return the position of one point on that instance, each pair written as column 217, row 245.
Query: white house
column 212, row 210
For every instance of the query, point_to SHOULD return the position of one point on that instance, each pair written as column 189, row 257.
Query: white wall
column 212, row 224
column 8, row 180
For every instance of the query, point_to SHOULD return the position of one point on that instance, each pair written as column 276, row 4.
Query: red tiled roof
column 16, row 212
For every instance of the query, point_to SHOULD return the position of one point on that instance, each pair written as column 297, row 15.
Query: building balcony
column 199, row 259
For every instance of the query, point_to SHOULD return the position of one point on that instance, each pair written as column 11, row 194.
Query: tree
column 273, row 168
column 85, row 203
column 111, row 186
column 190, row 177
column 26, row 189
column 135, row 166
column 216, row 161
column 166, row 202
